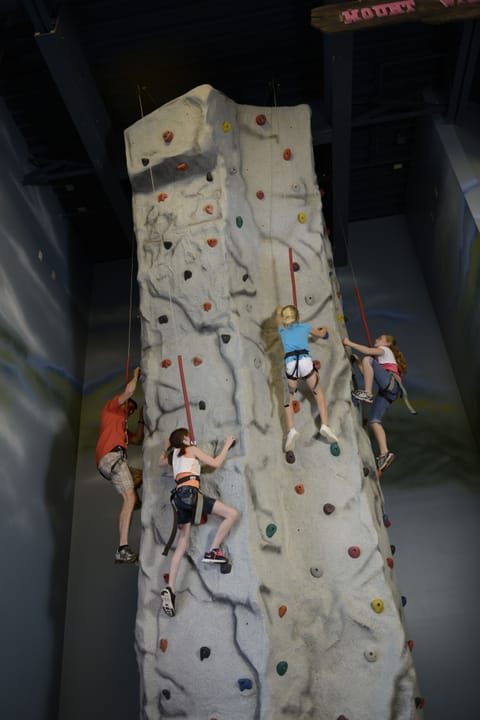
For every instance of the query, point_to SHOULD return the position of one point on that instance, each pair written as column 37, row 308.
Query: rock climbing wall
column 309, row 622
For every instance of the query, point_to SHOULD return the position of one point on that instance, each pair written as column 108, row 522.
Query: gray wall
column 42, row 333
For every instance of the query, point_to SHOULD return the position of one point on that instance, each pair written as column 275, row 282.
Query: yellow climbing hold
column 302, row 218
column 227, row 126
column 341, row 319
column 377, row 605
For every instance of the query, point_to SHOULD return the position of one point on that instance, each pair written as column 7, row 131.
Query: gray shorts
column 113, row 466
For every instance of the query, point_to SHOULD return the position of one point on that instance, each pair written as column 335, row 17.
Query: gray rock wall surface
column 291, row 630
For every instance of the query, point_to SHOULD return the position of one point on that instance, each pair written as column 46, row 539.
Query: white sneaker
column 291, row 438
column 328, row 434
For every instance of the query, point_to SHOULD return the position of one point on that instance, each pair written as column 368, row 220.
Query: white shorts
column 305, row 367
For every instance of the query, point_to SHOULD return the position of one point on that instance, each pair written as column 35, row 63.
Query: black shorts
column 184, row 500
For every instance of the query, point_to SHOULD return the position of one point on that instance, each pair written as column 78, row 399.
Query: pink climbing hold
column 197, row 361
column 282, row 610
column 161, row 197
column 168, row 136
column 354, row 551
column 207, row 306
column 208, row 209
column 163, row 645
column 166, row 363
column 260, row 194
column 390, row 563
column 261, row 119
column 211, row 242
column 182, row 166
column 287, row 154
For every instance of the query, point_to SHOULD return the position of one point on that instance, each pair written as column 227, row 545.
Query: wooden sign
column 364, row 14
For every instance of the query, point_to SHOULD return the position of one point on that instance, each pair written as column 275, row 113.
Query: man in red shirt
column 111, row 457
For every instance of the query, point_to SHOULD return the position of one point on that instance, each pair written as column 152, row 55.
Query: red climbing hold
column 282, row 610
column 316, row 364
column 211, row 242
column 354, row 551
column 261, row 119
column 299, row 489
column 168, row 136
column 260, row 194
column 166, row 363
column 161, row 197
column 208, row 209
column 166, row 577
column 287, row 154
column 207, row 306
column 197, row 361
column 295, row 406
column 410, row 644
column 390, row 563
column 182, row 166
column 163, row 645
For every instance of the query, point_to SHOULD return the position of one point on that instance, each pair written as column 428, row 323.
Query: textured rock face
column 291, row 632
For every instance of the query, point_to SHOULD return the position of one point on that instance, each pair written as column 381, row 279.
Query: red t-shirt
column 112, row 428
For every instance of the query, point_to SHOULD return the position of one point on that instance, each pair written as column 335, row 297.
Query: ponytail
column 399, row 357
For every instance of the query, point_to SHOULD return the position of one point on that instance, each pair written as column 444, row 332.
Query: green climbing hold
column 282, row 667
column 335, row 449
column 239, row 221
column 271, row 530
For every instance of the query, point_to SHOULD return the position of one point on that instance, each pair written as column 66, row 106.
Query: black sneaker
column 384, row 461
column 125, row 555
column 215, row 556
column 168, row 601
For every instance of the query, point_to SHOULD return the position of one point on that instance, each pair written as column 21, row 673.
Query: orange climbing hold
column 168, row 136
column 182, row 166
column 299, row 489
column 295, row 406
column 207, row 306
column 208, row 209
column 197, row 361
column 282, row 610
column 161, row 197
column 212, row 242
column 163, row 645
column 287, row 154
column 166, row 363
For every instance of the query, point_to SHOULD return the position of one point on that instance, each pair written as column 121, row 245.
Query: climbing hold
column 161, row 197
column 145, row 162
column 390, row 563
column 404, row 600
column 163, row 319
column 282, row 667
column 225, row 338
column 207, row 306
column 323, row 332
column 366, row 471
column 290, row 457
column 187, row 274
column 209, row 177
column 166, row 578
column 260, row 194
column 354, row 551
column 239, row 221
column 335, row 449
column 163, row 645
column 302, row 218
column 295, row 267
column 245, row 277
column 370, row 655
column 227, row 126
column 204, row 652
column 328, row 508
column 295, row 406
column 261, row 119
column 202, row 405
column 208, row 209
column 299, row 489
column 377, row 605
column 316, row 572
column 287, row 154
column 166, row 363
column 167, row 245
column 245, row 684
column 211, row 242
column 342, row 717
column 340, row 318
column 166, row 694
column 410, row 644
column 393, row 549
column 197, row 361
column 168, row 136
column 419, row 702
column 282, row 610
column 309, row 299
column 317, row 365
column 182, row 166
column 386, row 521
column 271, row 530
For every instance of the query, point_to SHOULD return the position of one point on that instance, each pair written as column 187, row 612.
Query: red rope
column 362, row 315
column 292, row 276
column 185, row 398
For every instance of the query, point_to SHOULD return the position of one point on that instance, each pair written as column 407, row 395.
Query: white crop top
column 184, row 464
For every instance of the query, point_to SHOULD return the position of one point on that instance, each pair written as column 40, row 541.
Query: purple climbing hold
column 404, row 600
column 226, row 338
column 166, row 694
column 245, row 684
column 290, row 457
column 245, row 277
column 167, row 245
column 295, row 267
column 163, row 319
column 145, row 162
column 204, row 652
column 202, row 405
column 328, row 508
column 187, row 274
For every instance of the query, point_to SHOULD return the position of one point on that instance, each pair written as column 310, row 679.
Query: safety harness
column 197, row 509
column 297, row 354
column 123, row 456
column 403, row 393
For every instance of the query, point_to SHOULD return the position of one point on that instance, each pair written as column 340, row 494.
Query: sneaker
column 363, row 395
column 384, row 461
column 291, row 438
column 215, row 556
column 125, row 555
column 328, row 433
column 168, row 601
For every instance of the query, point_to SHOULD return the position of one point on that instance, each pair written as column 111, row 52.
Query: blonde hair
column 399, row 357
column 289, row 315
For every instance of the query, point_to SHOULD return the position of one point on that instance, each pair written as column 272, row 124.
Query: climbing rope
column 357, row 291
column 292, row 277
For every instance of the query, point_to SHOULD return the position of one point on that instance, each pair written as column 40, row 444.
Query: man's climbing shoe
column 125, row 555
column 291, row 438
column 215, row 556
column 363, row 395
column 168, row 601
column 328, row 434
column 384, row 461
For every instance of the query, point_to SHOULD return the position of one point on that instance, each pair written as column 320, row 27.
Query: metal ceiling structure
column 72, row 73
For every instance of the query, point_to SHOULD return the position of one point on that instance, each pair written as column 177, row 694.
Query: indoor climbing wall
column 308, row 623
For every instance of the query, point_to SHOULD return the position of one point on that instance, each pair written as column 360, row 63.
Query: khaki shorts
column 113, row 466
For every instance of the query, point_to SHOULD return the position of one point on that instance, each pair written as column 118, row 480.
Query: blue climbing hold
column 271, row 530
column 335, row 449
column 245, row 684
column 404, row 600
